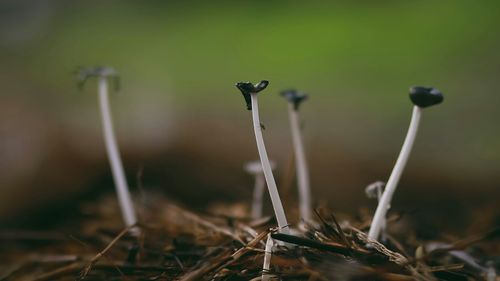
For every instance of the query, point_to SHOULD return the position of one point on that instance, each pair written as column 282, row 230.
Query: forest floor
column 174, row 243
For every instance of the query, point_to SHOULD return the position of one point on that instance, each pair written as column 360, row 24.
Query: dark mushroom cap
column 294, row 97
column 84, row 73
column 248, row 88
column 425, row 97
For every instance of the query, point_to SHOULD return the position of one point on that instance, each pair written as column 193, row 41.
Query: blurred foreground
column 177, row 244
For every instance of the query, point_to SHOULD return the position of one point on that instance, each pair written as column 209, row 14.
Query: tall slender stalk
column 249, row 92
column 124, row 198
column 122, row 190
column 294, row 100
column 390, row 188
column 421, row 97
column 266, row 166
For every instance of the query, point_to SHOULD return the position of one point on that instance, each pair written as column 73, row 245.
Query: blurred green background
column 181, row 121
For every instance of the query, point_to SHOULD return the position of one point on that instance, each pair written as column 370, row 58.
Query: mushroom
column 375, row 189
column 255, row 168
column 250, row 92
column 295, row 98
column 124, row 198
column 421, row 97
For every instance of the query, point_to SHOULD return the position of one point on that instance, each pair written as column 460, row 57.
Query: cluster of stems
column 421, row 97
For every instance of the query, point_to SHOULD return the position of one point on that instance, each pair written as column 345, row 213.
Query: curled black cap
column 84, row 73
column 294, row 96
column 248, row 88
column 425, row 97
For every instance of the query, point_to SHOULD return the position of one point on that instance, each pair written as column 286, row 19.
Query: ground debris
column 177, row 244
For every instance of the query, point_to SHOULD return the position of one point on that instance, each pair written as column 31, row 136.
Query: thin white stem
column 258, row 192
column 385, row 202
column 384, row 221
column 266, row 167
column 301, row 164
column 124, row 200
column 268, row 252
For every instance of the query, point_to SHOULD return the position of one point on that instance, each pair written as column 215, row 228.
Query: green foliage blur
column 356, row 59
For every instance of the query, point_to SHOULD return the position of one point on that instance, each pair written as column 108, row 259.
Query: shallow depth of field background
column 180, row 120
